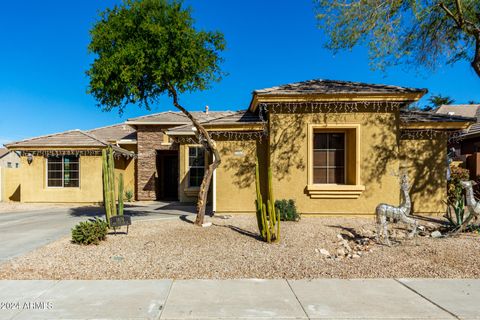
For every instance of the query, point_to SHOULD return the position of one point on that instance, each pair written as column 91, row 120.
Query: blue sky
column 44, row 57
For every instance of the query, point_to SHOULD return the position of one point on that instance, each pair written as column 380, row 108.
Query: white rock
column 339, row 236
column 422, row 228
column 355, row 256
column 324, row 252
column 436, row 234
column 206, row 224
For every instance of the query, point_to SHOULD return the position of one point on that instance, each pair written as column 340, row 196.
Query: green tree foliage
column 439, row 100
column 415, row 32
column 145, row 49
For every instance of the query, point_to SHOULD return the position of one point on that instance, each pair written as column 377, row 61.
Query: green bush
column 91, row 231
column 129, row 195
column 287, row 209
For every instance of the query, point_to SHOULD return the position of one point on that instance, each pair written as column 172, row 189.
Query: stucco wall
column 235, row 177
column 34, row 189
column 10, row 180
column 425, row 160
column 378, row 159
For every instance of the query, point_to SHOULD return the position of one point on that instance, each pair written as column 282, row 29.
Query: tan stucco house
column 335, row 147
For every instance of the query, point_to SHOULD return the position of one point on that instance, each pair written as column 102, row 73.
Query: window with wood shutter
column 329, row 158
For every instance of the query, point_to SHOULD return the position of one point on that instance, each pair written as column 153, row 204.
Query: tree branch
column 450, row 14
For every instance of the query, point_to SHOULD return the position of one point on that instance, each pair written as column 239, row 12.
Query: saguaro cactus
column 120, row 195
column 268, row 219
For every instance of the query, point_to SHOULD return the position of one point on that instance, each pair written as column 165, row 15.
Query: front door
column 170, row 177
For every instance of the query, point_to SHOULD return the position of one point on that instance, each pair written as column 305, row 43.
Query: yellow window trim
column 334, row 191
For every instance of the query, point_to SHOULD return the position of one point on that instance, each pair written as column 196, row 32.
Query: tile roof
column 236, row 118
column 114, row 132
column 3, row 152
column 72, row 138
column 178, row 117
column 465, row 110
column 424, row 116
column 319, row 86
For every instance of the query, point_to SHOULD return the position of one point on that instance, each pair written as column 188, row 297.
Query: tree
column 416, row 32
column 439, row 100
column 145, row 49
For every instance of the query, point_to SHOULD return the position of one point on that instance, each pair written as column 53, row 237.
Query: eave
column 347, row 97
column 436, row 125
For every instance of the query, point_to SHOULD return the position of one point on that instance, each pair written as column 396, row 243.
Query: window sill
column 191, row 191
column 334, row 191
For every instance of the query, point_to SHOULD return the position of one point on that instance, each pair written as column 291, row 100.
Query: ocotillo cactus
column 120, row 195
column 268, row 218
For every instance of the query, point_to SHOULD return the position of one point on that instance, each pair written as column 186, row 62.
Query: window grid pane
column 196, row 166
column 329, row 158
column 63, row 171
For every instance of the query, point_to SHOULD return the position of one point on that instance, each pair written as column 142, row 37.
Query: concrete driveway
column 21, row 232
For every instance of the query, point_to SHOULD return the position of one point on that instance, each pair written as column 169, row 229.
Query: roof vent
column 206, row 109
column 451, row 113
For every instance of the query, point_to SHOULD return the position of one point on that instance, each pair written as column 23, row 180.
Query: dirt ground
column 312, row 248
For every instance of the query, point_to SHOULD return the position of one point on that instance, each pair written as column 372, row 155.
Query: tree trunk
column 211, row 147
column 476, row 58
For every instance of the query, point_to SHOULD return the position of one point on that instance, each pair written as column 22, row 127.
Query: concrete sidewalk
column 242, row 299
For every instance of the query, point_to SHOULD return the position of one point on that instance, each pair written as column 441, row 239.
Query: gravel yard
column 228, row 249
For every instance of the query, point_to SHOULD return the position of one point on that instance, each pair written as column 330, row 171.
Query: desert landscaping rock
column 230, row 249
column 436, row 234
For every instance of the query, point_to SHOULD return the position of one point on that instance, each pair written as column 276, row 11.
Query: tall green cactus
column 106, row 185
column 120, row 195
column 108, row 170
column 111, row 171
column 268, row 219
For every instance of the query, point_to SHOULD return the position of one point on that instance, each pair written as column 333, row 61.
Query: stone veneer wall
column 149, row 139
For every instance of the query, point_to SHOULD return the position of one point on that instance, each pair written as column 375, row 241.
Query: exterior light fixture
column 29, row 158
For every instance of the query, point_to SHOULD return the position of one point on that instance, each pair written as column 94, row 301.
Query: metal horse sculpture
column 385, row 212
column 472, row 204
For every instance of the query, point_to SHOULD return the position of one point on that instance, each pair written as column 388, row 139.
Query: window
column 17, row 165
column 196, row 166
column 334, row 161
column 9, row 164
column 329, row 158
column 63, row 172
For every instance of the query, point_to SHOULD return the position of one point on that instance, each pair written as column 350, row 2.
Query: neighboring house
column 334, row 147
column 467, row 144
column 9, row 159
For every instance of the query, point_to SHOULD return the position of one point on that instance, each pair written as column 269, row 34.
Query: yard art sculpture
column 385, row 212
column 472, row 204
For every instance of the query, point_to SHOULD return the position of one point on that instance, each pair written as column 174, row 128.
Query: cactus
column 120, row 195
column 106, row 184
column 268, row 218
column 108, row 170
column 111, row 171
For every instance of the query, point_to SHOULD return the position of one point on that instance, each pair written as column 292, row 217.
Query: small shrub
column 129, row 195
column 91, row 231
column 287, row 209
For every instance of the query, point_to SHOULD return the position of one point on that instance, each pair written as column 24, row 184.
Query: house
column 9, row 159
column 335, row 147
column 467, row 143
